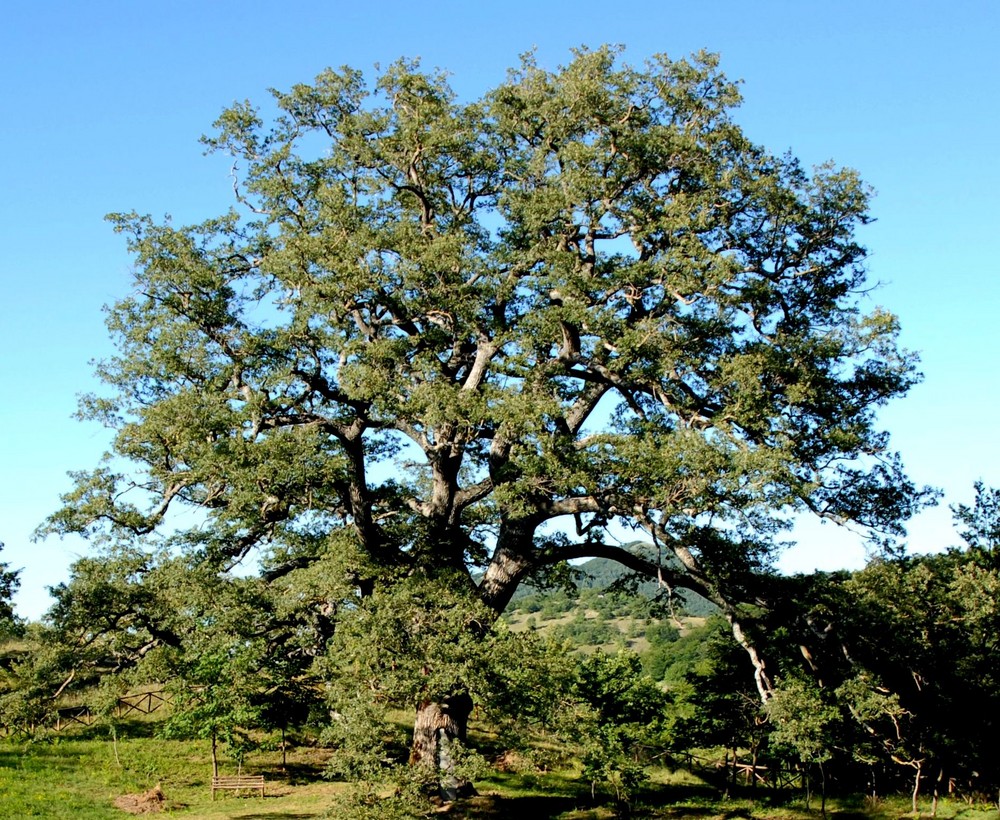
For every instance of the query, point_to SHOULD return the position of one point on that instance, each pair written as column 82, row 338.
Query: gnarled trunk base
column 436, row 728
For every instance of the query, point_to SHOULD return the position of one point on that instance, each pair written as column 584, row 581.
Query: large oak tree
column 473, row 340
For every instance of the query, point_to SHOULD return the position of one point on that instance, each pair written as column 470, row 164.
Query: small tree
column 234, row 654
column 626, row 721
column 980, row 523
column 805, row 722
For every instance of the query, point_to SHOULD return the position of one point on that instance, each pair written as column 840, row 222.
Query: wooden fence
column 143, row 703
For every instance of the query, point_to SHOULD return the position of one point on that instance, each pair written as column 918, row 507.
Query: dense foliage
column 887, row 678
column 438, row 326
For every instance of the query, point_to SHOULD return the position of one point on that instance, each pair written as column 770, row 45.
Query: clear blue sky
column 103, row 104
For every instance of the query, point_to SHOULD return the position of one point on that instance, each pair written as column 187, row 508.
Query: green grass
column 78, row 776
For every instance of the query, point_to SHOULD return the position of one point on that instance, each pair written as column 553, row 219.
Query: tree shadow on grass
column 294, row 774
column 496, row 807
column 125, row 729
column 285, row 815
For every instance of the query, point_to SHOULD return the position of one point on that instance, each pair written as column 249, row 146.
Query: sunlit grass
column 79, row 776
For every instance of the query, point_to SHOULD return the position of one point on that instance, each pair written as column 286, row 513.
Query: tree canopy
column 468, row 340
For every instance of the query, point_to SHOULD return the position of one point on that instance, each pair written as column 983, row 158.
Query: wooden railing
column 143, row 703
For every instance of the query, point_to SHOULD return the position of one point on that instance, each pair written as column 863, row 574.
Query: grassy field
column 81, row 776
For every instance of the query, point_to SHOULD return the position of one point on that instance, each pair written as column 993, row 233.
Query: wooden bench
column 238, row 781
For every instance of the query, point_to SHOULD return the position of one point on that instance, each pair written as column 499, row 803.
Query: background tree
column 806, row 723
column 232, row 652
column 8, row 586
column 980, row 523
column 929, row 638
column 624, row 723
column 905, row 650
column 459, row 340
column 717, row 705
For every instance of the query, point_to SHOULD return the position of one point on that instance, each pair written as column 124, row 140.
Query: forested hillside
column 611, row 576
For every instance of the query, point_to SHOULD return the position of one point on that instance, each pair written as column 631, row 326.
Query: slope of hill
column 605, row 574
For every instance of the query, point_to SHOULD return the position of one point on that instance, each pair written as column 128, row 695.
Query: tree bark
column 937, row 789
column 502, row 577
column 822, row 774
column 764, row 687
column 435, row 730
column 916, row 784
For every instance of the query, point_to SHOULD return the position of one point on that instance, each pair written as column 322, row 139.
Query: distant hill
column 603, row 573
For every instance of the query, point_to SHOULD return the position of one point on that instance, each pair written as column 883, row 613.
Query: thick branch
column 470, row 495
column 484, row 352
column 668, row 575
column 671, row 577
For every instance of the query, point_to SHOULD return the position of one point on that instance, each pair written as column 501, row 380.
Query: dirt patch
column 510, row 761
column 146, row 803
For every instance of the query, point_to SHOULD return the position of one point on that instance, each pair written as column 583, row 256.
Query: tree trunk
column 822, row 774
column 937, row 789
column 436, row 728
column 916, row 784
column 760, row 676
column 215, row 756
column 502, row 578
